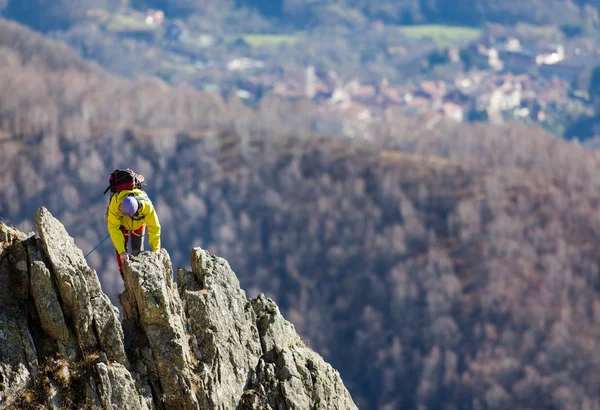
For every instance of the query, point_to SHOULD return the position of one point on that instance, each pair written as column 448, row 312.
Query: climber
column 129, row 212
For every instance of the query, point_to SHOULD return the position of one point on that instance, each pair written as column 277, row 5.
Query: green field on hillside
column 444, row 36
column 122, row 23
column 268, row 40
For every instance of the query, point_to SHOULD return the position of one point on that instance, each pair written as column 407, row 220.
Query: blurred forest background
column 436, row 264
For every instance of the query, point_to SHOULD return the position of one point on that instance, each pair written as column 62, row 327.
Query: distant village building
column 244, row 63
column 435, row 89
column 504, row 99
column 541, row 116
column 154, row 17
column 494, row 59
column 512, row 44
column 521, row 113
column 484, row 57
column 551, row 58
column 205, row 40
column 395, row 95
column 244, row 94
column 454, row 55
column 457, row 97
column 521, row 61
column 453, row 111
column 340, row 97
column 417, row 102
column 364, row 93
column 352, row 86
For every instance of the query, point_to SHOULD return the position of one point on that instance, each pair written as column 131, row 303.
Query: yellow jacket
column 145, row 215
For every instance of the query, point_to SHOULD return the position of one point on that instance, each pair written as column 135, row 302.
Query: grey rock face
column 46, row 301
column 222, row 322
column 44, row 331
column 80, row 291
column 195, row 344
column 158, row 311
column 117, row 389
column 18, row 359
column 290, row 375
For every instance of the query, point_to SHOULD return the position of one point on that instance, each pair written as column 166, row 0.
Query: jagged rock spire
column 195, row 344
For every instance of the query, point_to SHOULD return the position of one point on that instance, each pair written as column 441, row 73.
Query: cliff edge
column 198, row 343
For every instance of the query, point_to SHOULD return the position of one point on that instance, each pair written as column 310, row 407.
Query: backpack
column 124, row 179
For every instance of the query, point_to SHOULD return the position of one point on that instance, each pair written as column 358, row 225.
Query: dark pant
column 137, row 243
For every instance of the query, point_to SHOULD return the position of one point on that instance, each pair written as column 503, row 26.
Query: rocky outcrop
column 225, row 340
column 290, row 375
column 195, row 344
column 158, row 324
column 18, row 356
column 95, row 320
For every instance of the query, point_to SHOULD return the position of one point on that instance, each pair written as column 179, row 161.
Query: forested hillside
column 301, row 13
column 437, row 266
column 470, row 12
